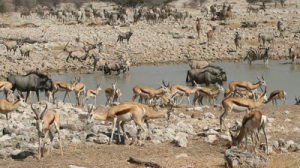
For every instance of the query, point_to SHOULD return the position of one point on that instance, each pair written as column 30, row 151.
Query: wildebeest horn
column 44, row 112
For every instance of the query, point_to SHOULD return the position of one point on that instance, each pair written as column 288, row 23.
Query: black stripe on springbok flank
column 202, row 91
column 242, row 86
column 81, row 88
column 93, row 92
column 124, row 111
column 61, row 86
column 144, row 91
column 240, row 104
column 181, row 89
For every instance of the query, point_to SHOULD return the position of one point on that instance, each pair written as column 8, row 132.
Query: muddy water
column 276, row 74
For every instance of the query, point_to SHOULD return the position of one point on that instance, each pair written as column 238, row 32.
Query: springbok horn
column 44, row 112
column 262, row 77
column 67, row 44
column 90, row 109
column 34, row 110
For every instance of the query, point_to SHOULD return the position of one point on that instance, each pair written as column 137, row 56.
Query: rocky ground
column 165, row 42
column 190, row 138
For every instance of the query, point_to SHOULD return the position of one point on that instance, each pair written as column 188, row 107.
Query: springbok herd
column 239, row 96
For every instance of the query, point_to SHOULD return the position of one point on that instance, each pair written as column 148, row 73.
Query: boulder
column 235, row 158
column 210, row 138
column 181, row 140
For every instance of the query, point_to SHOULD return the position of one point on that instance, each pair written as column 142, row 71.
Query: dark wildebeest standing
column 204, row 77
column 33, row 81
column 123, row 36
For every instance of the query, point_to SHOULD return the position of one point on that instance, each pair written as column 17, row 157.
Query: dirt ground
column 198, row 153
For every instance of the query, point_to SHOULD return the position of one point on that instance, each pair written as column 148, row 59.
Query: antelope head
column 39, row 117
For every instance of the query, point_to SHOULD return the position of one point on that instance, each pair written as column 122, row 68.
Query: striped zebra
column 258, row 54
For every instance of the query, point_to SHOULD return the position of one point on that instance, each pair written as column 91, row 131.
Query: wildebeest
column 32, row 81
column 294, row 53
column 215, row 70
column 116, row 66
column 297, row 99
column 123, row 36
column 263, row 38
column 205, row 77
column 258, row 54
column 10, row 45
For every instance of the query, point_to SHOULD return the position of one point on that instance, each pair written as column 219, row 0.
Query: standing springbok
column 237, row 40
column 210, row 34
column 251, row 124
column 92, row 93
column 183, row 91
column 210, row 93
column 112, row 94
column 240, row 104
column 275, row 95
column 234, row 85
column 60, row 86
column 7, row 106
column 127, row 111
column 43, row 122
column 6, row 87
column 198, row 27
column 80, row 89
column 148, row 93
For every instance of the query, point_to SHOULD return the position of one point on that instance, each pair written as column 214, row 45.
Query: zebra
column 258, row 54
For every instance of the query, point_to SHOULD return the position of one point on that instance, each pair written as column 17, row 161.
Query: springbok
column 80, row 89
column 43, row 122
column 198, row 27
column 6, row 87
column 183, row 91
column 240, row 104
column 127, row 111
column 62, row 87
column 148, row 93
column 92, row 93
column 210, row 93
column 7, row 106
column 275, row 95
column 234, row 85
column 112, row 94
column 251, row 124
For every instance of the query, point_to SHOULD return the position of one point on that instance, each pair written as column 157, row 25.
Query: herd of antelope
column 239, row 96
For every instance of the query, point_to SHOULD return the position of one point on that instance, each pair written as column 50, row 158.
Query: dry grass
column 284, row 161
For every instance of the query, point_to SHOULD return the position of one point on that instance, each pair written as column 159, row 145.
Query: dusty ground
column 150, row 44
column 199, row 153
